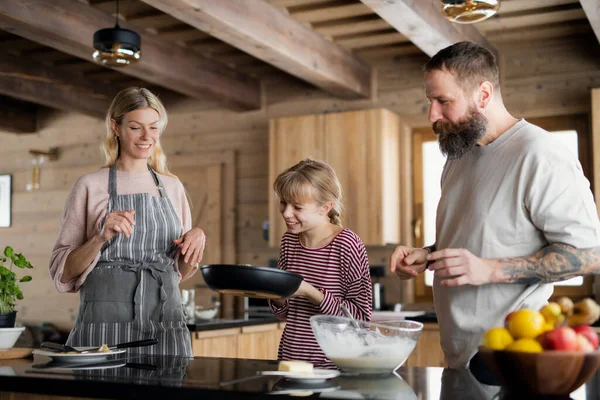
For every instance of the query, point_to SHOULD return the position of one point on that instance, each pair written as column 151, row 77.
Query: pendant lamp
column 117, row 47
column 469, row 11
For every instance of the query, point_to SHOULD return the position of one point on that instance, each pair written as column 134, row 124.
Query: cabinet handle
column 417, row 228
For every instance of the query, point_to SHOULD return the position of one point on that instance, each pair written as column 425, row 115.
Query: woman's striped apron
column 133, row 291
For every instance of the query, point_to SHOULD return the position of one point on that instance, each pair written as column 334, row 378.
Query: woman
column 125, row 240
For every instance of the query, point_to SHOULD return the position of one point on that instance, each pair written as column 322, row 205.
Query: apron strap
column 159, row 184
column 112, row 181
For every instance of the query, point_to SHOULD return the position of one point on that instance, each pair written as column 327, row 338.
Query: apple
column 583, row 344
column 561, row 338
column 507, row 318
column 589, row 333
column 543, row 339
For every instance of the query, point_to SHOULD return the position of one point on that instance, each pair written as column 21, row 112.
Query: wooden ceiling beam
column 32, row 82
column 502, row 23
column 544, row 32
column 69, row 26
column 17, row 116
column 592, row 10
column 422, row 22
column 264, row 31
column 530, row 5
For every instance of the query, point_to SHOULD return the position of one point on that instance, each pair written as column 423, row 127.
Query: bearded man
column 516, row 212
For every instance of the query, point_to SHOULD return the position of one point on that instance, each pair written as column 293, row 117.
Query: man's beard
column 456, row 139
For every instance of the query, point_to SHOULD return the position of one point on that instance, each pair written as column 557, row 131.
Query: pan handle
column 56, row 347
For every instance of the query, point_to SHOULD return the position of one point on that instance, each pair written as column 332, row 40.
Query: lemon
column 552, row 313
column 525, row 345
column 526, row 323
column 497, row 339
column 548, row 327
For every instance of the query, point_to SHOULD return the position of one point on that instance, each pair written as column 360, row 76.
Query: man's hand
column 408, row 262
column 457, row 267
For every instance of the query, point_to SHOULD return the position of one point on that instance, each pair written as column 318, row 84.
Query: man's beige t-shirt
column 507, row 199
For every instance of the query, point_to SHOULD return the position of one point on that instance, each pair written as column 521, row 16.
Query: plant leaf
column 4, row 271
column 26, row 278
column 8, row 252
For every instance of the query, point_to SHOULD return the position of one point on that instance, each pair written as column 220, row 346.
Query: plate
column 316, row 376
column 78, row 358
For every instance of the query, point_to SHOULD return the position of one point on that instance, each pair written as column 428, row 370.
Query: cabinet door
column 218, row 343
column 291, row 140
column 258, row 342
column 362, row 147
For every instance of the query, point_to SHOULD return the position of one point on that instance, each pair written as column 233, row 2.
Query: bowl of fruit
column 547, row 352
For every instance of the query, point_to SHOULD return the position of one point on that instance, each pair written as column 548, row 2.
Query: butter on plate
column 295, row 366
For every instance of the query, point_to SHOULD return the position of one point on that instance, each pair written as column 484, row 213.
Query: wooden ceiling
column 226, row 49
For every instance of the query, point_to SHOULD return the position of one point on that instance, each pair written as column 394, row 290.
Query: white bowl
column 9, row 336
column 206, row 313
column 370, row 348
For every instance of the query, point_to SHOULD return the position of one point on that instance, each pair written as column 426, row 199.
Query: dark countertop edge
column 114, row 390
column 233, row 323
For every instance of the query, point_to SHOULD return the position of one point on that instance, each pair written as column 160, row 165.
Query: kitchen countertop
column 205, row 378
column 214, row 324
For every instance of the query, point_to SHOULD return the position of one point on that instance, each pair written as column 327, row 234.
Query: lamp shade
column 469, row 11
column 117, row 47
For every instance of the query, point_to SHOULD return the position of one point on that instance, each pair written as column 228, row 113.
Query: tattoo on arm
column 555, row 262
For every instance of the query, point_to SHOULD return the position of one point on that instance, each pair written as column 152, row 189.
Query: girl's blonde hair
column 311, row 180
column 127, row 100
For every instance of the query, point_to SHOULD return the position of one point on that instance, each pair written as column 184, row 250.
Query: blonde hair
column 311, row 180
column 125, row 101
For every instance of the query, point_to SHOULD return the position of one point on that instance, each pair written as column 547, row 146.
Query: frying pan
column 251, row 281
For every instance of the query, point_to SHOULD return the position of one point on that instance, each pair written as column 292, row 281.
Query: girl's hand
column 408, row 262
column 117, row 222
column 309, row 292
column 303, row 289
column 191, row 245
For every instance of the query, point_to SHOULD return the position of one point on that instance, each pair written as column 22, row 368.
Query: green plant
column 9, row 286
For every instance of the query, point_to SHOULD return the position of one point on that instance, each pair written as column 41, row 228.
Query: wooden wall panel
column 552, row 77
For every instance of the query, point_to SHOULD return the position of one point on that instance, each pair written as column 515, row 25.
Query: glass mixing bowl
column 366, row 347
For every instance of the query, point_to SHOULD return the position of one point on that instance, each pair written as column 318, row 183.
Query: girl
column 126, row 238
column 332, row 260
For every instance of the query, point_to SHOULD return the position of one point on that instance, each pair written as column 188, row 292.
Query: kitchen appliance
column 377, row 296
column 256, row 308
column 251, row 281
column 378, row 301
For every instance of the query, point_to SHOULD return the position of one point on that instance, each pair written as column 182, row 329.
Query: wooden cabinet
column 216, row 343
column 364, row 149
column 259, row 342
column 428, row 352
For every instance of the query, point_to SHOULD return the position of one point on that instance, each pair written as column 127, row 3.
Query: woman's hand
column 117, row 222
column 191, row 245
